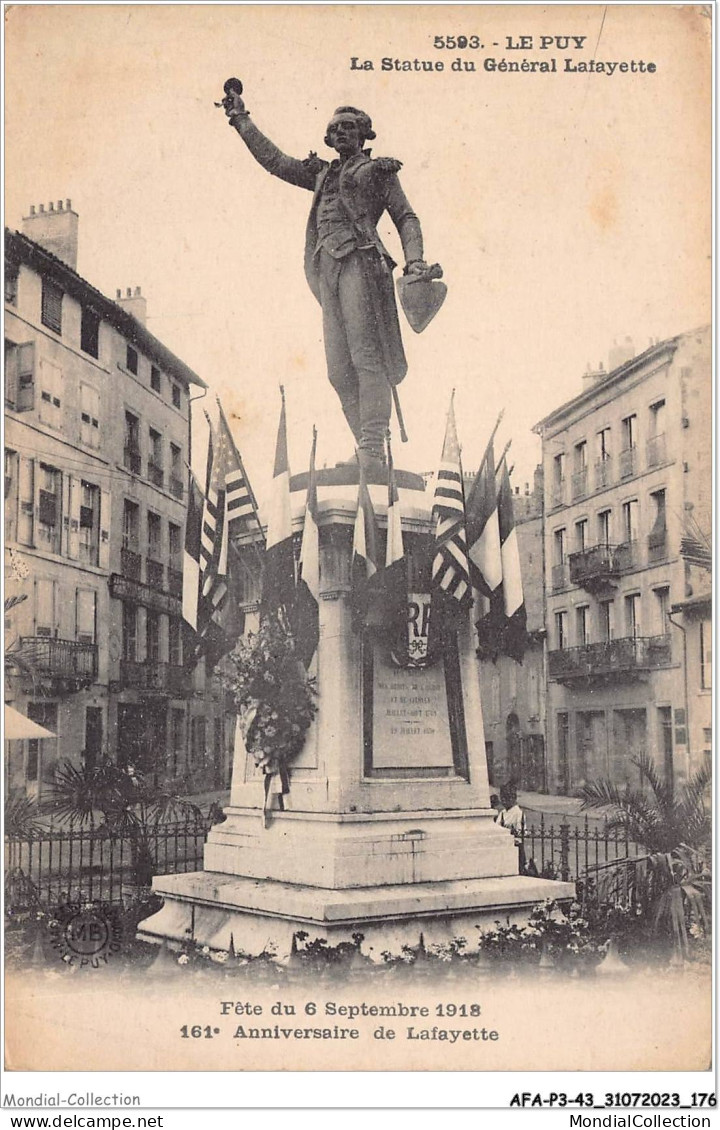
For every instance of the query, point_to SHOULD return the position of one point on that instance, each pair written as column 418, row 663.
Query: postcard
column 358, row 541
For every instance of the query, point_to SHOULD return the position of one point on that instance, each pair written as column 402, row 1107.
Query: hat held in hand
column 421, row 296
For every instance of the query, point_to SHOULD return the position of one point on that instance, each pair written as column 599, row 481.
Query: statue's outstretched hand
column 234, row 106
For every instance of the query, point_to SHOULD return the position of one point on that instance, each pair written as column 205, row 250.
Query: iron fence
column 53, row 868
column 565, row 852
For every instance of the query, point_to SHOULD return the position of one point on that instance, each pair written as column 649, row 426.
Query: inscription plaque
column 410, row 717
column 413, row 717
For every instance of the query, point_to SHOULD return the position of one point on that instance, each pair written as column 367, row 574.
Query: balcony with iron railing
column 628, row 556
column 596, row 566
column 131, row 459
column 579, row 484
column 137, row 592
column 628, row 462
column 656, row 451
column 66, row 660
column 153, row 676
column 156, row 474
column 130, row 563
column 610, row 658
column 603, row 473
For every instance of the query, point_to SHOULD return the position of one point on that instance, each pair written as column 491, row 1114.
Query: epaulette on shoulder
column 386, row 166
column 313, row 163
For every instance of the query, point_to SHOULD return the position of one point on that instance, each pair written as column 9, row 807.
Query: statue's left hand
column 418, row 267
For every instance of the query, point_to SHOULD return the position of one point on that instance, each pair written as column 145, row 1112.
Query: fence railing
column 53, row 868
column 565, row 852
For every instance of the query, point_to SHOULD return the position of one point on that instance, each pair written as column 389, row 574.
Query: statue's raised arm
column 347, row 267
column 265, row 152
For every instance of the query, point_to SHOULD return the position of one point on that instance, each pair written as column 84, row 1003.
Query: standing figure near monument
column 347, row 268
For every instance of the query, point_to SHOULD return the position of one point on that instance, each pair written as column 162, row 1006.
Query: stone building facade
column 627, row 469
column 96, row 453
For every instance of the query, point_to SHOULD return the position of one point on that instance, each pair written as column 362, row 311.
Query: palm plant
column 21, row 817
column 121, row 802
column 670, row 883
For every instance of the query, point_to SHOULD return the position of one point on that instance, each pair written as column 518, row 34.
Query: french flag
column 279, row 577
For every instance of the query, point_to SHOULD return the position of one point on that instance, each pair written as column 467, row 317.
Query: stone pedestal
column 387, row 829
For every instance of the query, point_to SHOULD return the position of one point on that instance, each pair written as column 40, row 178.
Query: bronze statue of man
column 348, row 269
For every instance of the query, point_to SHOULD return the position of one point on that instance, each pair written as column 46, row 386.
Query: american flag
column 450, row 571
column 229, row 510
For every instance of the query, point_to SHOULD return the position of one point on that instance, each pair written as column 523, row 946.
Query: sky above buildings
column 568, row 209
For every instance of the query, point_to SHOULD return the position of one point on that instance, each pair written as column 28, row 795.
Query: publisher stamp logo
column 86, row 936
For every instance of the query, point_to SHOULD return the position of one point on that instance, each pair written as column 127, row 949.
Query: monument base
column 208, row 908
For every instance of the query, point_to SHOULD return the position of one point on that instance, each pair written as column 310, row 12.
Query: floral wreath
column 275, row 698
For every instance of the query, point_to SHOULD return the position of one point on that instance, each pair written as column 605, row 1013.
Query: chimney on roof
column 621, row 354
column 592, row 376
column 134, row 302
column 55, row 229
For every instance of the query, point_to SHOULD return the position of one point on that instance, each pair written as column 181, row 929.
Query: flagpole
column 494, row 431
column 504, row 453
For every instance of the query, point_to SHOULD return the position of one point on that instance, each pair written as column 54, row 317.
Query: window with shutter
column 154, row 529
column 85, row 602
column 131, row 457
column 89, row 331
column 26, row 377
column 49, row 507
column 632, row 615
column 50, row 382
column 89, row 523
column 11, row 373
column 131, row 359
column 129, row 631
column 45, row 607
column 89, row 416
column 20, row 375
column 41, row 752
column 131, row 525
column 26, row 497
column 561, row 633
column 12, row 270
column 155, row 460
column 51, row 306
column 11, row 494
column 706, row 655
